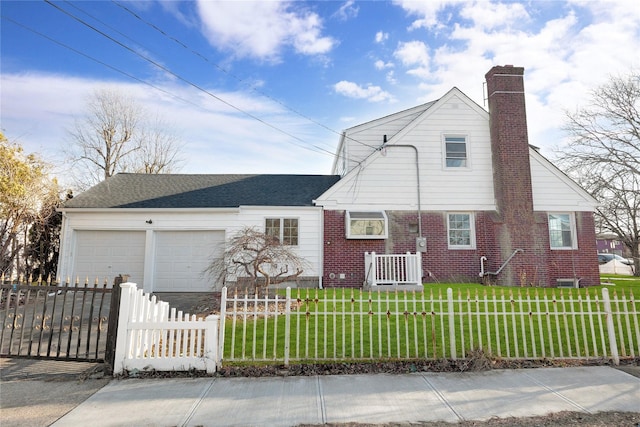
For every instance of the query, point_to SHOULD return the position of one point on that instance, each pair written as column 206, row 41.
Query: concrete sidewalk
column 36, row 393
column 379, row 398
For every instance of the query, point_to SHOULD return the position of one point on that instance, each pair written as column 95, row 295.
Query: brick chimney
column 516, row 222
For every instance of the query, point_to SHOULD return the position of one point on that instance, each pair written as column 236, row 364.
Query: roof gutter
column 143, row 210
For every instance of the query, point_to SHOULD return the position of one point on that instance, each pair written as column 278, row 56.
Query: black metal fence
column 53, row 321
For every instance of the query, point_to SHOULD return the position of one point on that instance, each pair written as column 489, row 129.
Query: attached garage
column 163, row 230
column 106, row 254
column 181, row 258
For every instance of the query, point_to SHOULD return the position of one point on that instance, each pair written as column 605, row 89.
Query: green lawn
column 347, row 324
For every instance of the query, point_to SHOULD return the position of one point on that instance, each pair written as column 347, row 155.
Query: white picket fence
column 151, row 336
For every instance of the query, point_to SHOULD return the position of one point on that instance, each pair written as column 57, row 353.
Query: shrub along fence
column 350, row 325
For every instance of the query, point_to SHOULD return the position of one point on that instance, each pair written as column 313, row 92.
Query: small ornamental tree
column 257, row 256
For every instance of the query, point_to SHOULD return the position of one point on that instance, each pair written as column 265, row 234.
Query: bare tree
column 260, row 257
column 116, row 136
column 603, row 155
column 159, row 150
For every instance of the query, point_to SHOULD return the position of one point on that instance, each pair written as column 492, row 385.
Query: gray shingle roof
column 127, row 190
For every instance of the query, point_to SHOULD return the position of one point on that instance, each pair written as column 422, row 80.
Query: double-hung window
column 460, row 231
column 283, row 229
column 562, row 231
column 455, row 148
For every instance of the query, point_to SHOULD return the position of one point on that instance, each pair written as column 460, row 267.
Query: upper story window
column 562, row 231
column 461, row 231
column 283, row 229
column 455, row 148
column 366, row 225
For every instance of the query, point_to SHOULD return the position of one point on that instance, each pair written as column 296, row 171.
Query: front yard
column 446, row 321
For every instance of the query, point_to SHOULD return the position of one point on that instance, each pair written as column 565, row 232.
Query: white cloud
column 381, row 37
column 381, row 65
column 370, row 93
column 37, row 110
column 564, row 58
column 426, row 10
column 415, row 56
column 488, row 15
column 413, row 53
column 262, row 29
column 347, row 10
column 391, row 77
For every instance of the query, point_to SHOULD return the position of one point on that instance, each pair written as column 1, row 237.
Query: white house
column 462, row 186
column 164, row 230
column 448, row 180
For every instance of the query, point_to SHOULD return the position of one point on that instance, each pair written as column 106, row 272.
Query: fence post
column 112, row 325
column 613, row 345
column 221, row 325
column 287, row 327
column 452, row 325
column 126, row 291
column 211, row 342
column 368, row 264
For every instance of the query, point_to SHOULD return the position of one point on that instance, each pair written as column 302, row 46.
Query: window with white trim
column 460, row 230
column 283, row 229
column 366, row 225
column 562, row 231
column 455, row 149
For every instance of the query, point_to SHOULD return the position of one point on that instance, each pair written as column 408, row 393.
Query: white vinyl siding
column 387, row 180
column 553, row 191
column 134, row 223
column 363, row 140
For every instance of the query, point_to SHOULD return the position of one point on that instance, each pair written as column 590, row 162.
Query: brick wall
column 440, row 264
column 342, row 256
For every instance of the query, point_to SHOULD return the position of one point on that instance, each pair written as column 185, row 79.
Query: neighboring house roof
column 127, row 190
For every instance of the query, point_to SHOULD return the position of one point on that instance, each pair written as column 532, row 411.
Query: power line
column 190, row 83
column 131, row 76
column 225, row 71
column 142, row 81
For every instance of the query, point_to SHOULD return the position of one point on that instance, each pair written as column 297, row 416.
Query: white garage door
column 181, row 258
column 105, row 254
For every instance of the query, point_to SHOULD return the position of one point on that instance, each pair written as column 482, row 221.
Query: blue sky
column 266, row 87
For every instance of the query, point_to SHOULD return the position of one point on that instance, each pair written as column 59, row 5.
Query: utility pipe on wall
column 495, row 273
column 482, row 260
column 384, row 146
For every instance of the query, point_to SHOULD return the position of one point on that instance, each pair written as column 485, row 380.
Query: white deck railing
column 400, row 269
column 151, row 336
